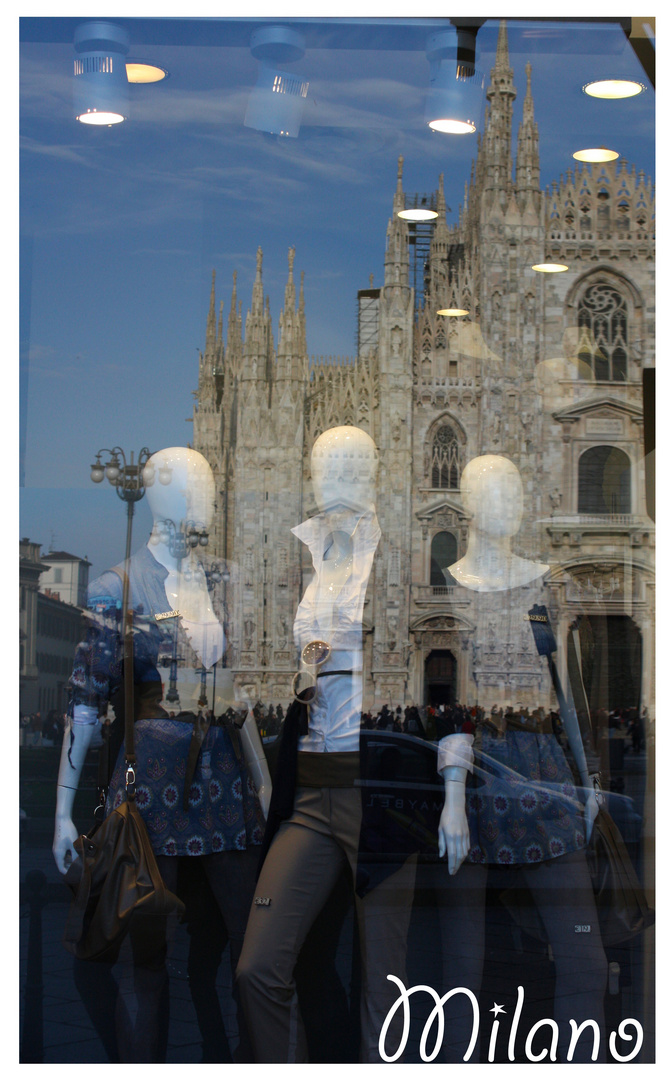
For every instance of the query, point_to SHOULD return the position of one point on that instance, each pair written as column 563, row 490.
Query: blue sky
column 121, row 227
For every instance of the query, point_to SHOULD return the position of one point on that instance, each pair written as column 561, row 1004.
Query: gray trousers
column 563, row 893
column 299, row 872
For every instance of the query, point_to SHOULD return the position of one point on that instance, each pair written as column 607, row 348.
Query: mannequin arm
column 256, row 761
column 70, row 770
column 453, row 825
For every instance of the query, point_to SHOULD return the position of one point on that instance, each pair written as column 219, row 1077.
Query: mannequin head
column 344, row 465
column 180, row 487
column 492, row 492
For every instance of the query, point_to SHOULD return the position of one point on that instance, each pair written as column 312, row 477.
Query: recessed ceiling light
column 598, row 153
column 613, row 88
column 100, row 119
column 550, row 268
column 142, row 71
column 453, row 127
column 417, row 215
column 453, row 312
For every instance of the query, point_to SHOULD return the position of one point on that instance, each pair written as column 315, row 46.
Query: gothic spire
column 396, row 256
column 220, row 325
column 211, row 328
column 527, row 158
column 302, row 319
column 441, row 200
column 290, row 291
column 258, row 333
column 438, row 253
column 501, row 94
column 288, row 342
column 234, row 336
column 257, row 288
column 399, row 201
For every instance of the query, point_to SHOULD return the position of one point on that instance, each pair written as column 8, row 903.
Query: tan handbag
column 622, row 907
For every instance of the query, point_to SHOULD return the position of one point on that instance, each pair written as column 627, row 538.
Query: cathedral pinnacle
column 441, row 199
column 527, row 158
column 257, row 288
column 501, row 93
column 220, row 327
column 234, row 341
column 290, row 291
column 528, row 103
column 233, row 292
column 399, row 201
column 502, row 55
column 211, row 328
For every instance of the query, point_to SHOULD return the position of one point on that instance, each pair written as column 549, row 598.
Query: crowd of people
column 38, row 730
column 419, row 720
column 426, row 721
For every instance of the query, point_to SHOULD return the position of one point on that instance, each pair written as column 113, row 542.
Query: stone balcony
column 573, row 529
column 438, row 595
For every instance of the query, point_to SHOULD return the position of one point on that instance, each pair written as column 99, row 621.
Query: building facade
column 67, row 577
column 49, row 628
column 544, row 369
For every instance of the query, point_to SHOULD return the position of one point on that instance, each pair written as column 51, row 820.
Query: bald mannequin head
column 180, row 486
column 344, row 466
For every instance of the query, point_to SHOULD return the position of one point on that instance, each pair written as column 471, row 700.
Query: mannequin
column 177, row 627
column 492, row 494
column 521, row 807
column 320, row 835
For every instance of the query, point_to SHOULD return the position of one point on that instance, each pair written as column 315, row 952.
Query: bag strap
column 546, row 646
column 127, row 647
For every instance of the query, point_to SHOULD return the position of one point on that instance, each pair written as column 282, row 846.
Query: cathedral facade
column 546, row 369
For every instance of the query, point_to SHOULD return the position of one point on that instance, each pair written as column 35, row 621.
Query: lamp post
column 129, row 479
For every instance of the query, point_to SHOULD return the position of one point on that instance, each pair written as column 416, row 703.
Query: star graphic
column 498, row 1009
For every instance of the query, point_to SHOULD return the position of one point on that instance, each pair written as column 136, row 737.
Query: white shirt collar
column 362, row 528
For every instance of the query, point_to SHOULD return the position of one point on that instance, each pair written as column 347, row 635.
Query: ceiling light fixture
column 145, row 71
column 276, row 103
column 596, row 154
column 550, row 268
column 613, row 89
column 417, row 214
column 453, row 313
column 456, row 88
column 100, row 87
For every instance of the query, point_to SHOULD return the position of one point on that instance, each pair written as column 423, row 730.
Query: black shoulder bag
column 116, row 877
column 622, row 908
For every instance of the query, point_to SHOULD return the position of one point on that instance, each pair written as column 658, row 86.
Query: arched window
column 603, row 332
column 444, row 462
column 604, row 481
column 443, row 554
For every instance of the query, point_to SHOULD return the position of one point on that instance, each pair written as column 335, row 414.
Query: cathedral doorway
column 440, row 678
column 611, row 661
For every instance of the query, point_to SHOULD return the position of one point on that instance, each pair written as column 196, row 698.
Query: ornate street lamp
column 129, row 479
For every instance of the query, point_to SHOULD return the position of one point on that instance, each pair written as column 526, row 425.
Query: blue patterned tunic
column 522, row 803
column 223, row 812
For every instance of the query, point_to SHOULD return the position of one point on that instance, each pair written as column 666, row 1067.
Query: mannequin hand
column 590, row 813
column 454, row 832
column 64, row 853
